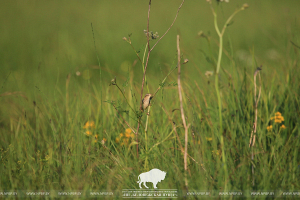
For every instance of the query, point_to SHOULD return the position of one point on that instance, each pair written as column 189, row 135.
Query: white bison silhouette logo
column 154, row 176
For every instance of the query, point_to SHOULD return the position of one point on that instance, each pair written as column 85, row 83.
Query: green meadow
column 71, row 76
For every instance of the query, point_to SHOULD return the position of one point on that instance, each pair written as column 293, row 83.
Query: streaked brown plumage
column 146, row 101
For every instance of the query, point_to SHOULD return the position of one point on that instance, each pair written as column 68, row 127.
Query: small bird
column 146, row 101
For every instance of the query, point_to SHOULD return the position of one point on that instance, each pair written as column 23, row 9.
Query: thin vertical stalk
column 146, row 64
column 220, row 34
column 100, row 81
column 253, row 133
column 182, row 114
column 67, row 99
column 219, row 99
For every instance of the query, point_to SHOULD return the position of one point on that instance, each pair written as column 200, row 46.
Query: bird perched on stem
column 146, row 101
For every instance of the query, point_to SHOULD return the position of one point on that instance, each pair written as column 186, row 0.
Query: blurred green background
column 51, row 85
column 41, row 39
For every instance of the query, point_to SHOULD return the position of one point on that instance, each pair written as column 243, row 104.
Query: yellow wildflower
column 269, row 128
column 125, row 138
column 277, row 121
column 277, row 114
column 208, row 138
column 89, row 124
column 128, row 130
column 278, row 118
column 88, row 133
column 283, row 126
column 127, row 135
column 96, row 138
column 282, row 118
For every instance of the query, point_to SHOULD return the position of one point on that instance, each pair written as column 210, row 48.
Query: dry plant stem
column 146, row 127
column 169, row 27
column 147, row 121
column 136, row 53
column 143, row 82
column 174, row 128
column 142, row 61
column 146, row 138
column 146, row 65
column 253, row 133
column 182, row 113
column 148, row 55
column 180, row 145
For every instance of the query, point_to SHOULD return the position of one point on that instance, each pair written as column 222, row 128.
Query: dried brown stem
column 169, row 27
column 143, row 82
column 146, row 65
column 256, row 99
column 182, row 112
column 180, row 145
column 253, row 133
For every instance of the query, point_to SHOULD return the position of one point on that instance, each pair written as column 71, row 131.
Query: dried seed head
column 113, row 81
column 152, row 35
column 185, row 61
column 200, row 33
column 227, row 1
column 245, row 6
column 209, row 73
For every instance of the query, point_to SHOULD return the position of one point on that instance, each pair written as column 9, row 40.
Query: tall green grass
column 44, row 104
